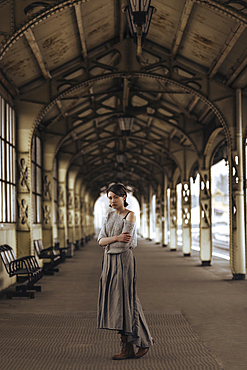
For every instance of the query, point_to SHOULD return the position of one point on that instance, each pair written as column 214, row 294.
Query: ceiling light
column 126, row 124
column 139, row 14
column 120, row 158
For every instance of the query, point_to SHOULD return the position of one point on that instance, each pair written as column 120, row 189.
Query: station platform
column 197, row 316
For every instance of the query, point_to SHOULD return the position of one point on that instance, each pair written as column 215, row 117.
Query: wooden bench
column 50, row 254
column 64, row 251
column 24, row 268
column 70, row 246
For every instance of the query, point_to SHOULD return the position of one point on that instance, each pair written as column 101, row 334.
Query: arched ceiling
column 76, row 59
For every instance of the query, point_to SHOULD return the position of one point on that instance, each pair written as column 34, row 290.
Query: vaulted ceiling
column 77, row 60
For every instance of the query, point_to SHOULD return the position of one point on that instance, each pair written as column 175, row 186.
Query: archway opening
column 220, row 208
column 101, row 208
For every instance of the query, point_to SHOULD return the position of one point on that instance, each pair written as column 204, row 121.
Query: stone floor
column 197, row 316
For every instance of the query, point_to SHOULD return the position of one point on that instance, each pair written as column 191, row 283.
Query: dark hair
column 118, row 189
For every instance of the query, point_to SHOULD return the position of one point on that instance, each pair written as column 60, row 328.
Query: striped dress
column 118, row 305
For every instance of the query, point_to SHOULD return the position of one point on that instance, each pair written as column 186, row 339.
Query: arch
column 176, row 176
column 216, row 149
column 217, row 7
column 136, row 138
column 114, row 115
column 194, row 170
column 36, row 20
column 186, row 88
column 209, row 145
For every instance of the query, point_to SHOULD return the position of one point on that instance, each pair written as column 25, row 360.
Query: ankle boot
column 127, row 350
column 141, row 352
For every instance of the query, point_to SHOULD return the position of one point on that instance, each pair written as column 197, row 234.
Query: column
column 86, row 213
column 62, row 216
column 186, row 218
column 92, row 216
column 238, row 263
column 141, row 216
column 27, row 113
column 158, row 232
column 173, row 219
column 205, row 218
column 47, row 206
column 70, row 213
column 24, row 215
column 77, row 216
column 164, row 215
column 141, row 221
column 158, row 217
column 144, row 223
column 147, row 220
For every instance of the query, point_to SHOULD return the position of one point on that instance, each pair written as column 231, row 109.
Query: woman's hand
column 124, row 237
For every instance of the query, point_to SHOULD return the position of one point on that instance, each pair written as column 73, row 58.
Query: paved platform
column 197, row 316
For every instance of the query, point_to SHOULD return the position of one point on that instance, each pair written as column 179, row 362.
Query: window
column 7, row 163
column 55, row 209
column 36, row 180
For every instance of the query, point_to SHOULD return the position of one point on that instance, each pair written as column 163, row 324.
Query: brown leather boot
column 141, row 352
column 127, row 350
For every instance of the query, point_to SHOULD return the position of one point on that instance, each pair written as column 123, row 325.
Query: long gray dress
column 118, row 305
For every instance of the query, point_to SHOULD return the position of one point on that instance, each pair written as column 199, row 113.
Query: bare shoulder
column 131, row 217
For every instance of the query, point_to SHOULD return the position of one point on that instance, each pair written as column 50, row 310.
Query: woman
column 119, row 307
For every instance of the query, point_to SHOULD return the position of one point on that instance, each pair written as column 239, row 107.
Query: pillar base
column 164, row 245
column 173, row 250
column 149, row 239
column 206, row 263
column 238, row 277
column 187, row 254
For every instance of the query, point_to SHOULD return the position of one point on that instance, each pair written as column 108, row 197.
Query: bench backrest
column 56, row 243
column 38, row 245
column 7, row 255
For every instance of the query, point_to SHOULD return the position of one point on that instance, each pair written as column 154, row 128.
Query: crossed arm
column 123, row 237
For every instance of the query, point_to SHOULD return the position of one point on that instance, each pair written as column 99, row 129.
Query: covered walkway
column 151, row 94
column 196, row 315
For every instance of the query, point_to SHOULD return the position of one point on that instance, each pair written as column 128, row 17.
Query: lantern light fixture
column 139, row 14
column 126, row 124
column 120, row 159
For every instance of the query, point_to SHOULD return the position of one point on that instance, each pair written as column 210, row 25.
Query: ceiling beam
column 126, row 90
column 204, row 114
column 173, row 133
column 182, row 25
column 175, row 100
column 158, row 147
column 122, row 20
column 37, row 53
column 80, row 29
column 97, row 169
column 71, row 65
column 11, row 89
column 60, row 106
column 230, row 42
column 89, row 88
column 193, row 103
column 237, row 68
